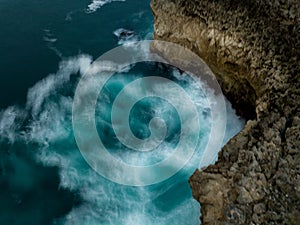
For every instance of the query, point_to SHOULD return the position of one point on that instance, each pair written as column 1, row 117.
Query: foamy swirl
column 122, row 58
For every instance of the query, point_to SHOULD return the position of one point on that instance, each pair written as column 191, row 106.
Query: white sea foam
column 41, row 90
column 9, row 124
column 97, row 4
column 50, row 40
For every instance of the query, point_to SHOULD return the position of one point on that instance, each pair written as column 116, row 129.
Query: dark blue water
column 28, row 27
column 45, row 47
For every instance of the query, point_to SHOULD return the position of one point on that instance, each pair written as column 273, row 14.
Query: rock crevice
column 253, row 47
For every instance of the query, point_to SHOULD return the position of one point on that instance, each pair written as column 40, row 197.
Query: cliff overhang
column 253, row 47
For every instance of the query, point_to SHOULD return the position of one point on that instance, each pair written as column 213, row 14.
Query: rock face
column 253, row 47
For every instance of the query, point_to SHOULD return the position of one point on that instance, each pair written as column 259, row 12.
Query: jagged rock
column 253, row 47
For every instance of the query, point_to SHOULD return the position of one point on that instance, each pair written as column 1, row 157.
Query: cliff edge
column 253, row 47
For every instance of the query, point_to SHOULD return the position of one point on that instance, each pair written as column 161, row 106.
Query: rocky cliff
column 253, row 47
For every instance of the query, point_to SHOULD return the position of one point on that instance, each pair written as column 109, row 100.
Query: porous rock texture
column 253, row 47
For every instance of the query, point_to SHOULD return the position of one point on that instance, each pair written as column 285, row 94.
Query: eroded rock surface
column 253, row 47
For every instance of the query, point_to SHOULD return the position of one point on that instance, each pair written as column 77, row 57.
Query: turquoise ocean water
column 45, row 47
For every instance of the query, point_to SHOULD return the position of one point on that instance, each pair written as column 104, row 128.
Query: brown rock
column 253, row 47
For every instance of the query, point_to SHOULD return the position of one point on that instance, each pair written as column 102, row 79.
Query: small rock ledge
column 253, row 47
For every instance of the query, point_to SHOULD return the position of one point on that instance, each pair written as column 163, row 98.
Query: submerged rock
column 253, row 47
column 125, row 35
